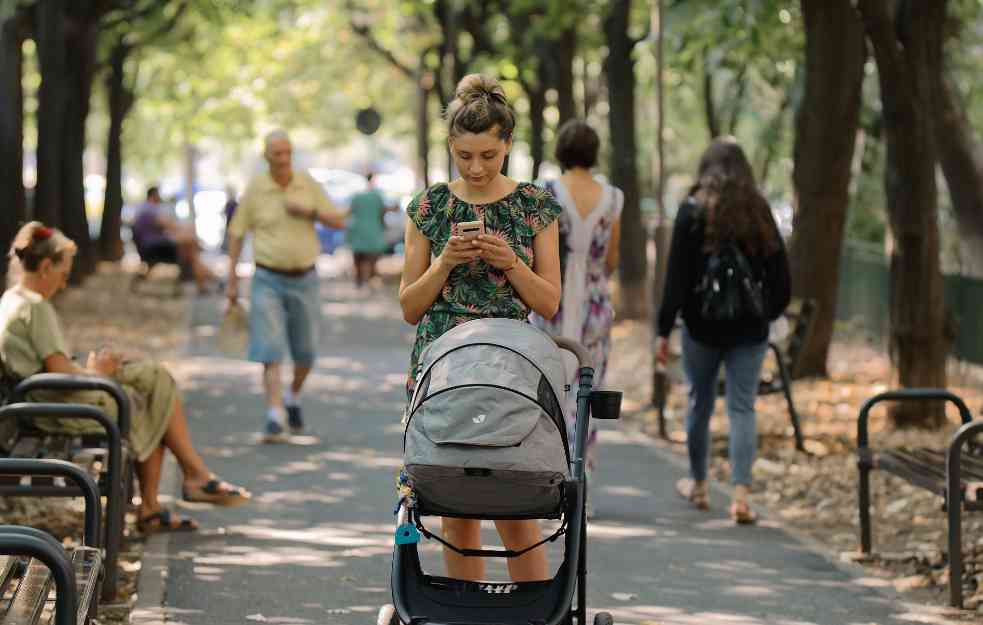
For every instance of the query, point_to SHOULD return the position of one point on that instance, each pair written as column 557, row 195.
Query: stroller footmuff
column 485, row 438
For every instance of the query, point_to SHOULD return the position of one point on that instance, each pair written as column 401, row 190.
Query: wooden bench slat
column 27, row 447
column 9, row 565
column 31, row 595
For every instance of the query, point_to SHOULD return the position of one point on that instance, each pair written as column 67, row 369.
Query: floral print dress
column 476, row 290
column 586, row 313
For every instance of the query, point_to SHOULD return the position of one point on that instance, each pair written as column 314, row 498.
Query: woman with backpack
column 728, row 275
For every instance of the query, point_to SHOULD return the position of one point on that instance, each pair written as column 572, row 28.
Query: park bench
column 950, row 472
column 106, row 457
column 31, row 561
column 800, row 314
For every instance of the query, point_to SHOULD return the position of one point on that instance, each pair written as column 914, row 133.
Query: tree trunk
column 906, row 49
column 11, row 134
column 82, row 39
column 423, row 88
column 565, row 49
column 537, row 105
column 620, row 70
column 961, row 158
column 709, row 98
column 52, row 49
column 826, row 132
column 120, row 102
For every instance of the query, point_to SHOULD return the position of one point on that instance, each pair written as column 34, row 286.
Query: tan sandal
column 741, row 513
column 699, row 497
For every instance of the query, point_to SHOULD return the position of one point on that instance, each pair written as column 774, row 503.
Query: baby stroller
column 485, row 438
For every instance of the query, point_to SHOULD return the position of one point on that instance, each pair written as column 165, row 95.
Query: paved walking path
column 315, row 545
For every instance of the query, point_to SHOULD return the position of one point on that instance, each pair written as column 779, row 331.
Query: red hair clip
column 43, row 233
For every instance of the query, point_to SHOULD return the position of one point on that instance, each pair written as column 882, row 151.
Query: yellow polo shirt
column 280, row 241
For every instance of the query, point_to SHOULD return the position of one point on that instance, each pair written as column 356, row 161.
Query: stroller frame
column 422, row 599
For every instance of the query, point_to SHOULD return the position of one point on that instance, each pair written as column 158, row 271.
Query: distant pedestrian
column 229, row 210
column 590, row 230
column 158, row 236
column 280, row 208
column 728, row 274
column 366, row 231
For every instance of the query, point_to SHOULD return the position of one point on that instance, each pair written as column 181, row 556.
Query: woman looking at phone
column 509, row 269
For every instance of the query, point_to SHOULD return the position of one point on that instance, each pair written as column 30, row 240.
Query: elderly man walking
column 279, row 208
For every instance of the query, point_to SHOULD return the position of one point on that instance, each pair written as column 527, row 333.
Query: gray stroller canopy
column 485, row 433
column 502, row 353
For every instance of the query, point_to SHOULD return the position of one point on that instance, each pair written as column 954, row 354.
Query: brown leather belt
column 290, row 273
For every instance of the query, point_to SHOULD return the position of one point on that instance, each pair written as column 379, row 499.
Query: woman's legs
column 743, row 370
column 177, row 438
column 148, row 474
column 516, row 535
column 701, row 364
column 464, row 534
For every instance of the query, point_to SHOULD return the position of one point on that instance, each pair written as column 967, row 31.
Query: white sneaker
column 387, row 615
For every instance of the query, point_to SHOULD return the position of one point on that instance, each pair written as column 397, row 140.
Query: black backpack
column 728, row 290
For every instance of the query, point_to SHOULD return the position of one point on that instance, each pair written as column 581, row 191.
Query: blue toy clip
column 406, row 534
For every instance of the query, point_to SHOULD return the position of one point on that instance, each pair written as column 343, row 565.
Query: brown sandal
column 700, row 499
column 217, row 492
column 165, row 521
column 742, row 514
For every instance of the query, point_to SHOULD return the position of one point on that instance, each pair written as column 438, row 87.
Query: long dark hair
column 735, row 210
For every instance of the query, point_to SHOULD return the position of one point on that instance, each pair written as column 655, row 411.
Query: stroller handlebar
column 583, row 356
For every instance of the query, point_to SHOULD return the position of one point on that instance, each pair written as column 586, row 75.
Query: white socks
column 276, row 414
column 289, row 399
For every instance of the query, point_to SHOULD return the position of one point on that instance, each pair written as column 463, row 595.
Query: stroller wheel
column 603, row 618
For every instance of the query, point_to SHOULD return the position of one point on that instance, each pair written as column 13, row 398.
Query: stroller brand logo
column 480, row 418
column 499, row 589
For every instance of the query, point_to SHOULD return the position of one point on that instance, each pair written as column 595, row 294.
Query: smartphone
column 469, row 228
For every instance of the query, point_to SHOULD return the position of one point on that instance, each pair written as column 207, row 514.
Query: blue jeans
column 742, row 367
column 284, row 312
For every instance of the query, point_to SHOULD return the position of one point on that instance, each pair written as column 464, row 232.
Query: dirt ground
column 816, row 494
column 106, row 313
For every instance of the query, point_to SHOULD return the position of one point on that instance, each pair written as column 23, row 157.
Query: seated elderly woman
column 31, row 341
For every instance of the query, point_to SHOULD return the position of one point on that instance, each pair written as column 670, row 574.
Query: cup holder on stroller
column 605, row 404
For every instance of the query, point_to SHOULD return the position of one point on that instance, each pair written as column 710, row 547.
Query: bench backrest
column 801, row 314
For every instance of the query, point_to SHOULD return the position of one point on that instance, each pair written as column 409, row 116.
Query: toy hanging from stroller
column 485, row 438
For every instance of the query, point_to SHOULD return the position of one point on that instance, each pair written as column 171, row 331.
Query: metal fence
column 864, row 300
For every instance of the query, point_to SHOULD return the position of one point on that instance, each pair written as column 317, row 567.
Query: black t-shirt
column 688, row 261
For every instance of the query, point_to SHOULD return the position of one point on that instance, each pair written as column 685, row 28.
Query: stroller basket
column 485, row 435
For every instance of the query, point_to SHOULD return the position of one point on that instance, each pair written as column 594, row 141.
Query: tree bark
column 961, row 158
column 565, row 49
column 11, row 133
column 826, row 132
column 620, row 70
column 537, row 106
column 82, row 39
column 424, row 85
column 907, row 49
column 52, row 50
column 120, row 102
column 709, row 98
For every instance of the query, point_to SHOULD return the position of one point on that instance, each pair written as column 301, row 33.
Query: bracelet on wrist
column 515, row 263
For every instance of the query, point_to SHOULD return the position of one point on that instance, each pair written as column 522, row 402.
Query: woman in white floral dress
column 590, row 227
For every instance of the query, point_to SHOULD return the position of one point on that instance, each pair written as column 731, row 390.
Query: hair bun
column 475, row 86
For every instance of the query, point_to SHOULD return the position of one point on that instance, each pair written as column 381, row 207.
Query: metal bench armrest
column 906, row 394
column 66, row 599
column 67, row 382
column 90, row 492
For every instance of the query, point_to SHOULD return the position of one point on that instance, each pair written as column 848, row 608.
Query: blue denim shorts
column 284, row 312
